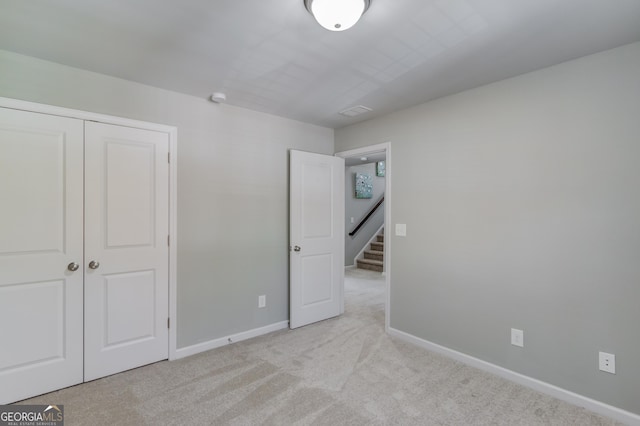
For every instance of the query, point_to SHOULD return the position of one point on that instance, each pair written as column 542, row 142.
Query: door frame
column 359, row 152
column 173, row 185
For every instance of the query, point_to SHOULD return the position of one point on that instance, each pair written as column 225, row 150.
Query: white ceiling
column 271, row 56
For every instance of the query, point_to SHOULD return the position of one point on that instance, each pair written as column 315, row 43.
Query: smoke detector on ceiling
column 356, row 110
column 218, row 97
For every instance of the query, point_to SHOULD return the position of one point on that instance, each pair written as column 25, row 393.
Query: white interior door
column 41, row 175
column 317, row 237
column 126, row 235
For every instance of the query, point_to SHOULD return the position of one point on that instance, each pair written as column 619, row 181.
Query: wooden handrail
column 371, row 212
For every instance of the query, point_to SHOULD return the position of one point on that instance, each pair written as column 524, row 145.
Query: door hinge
column 168, row 322
column 168, row 240
column 168, row 157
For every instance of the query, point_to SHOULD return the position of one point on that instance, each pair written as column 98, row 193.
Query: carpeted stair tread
column 371, row 262
column 377, row 246
column 374, row 255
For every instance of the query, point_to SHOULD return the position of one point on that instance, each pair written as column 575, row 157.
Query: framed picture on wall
column 364, row 185
column 380, row 168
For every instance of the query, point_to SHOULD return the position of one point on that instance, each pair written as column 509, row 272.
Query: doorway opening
column 382, row 197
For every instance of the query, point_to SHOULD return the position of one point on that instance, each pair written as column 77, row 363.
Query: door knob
column 296, row 248
column 73, row 266
column 94, row 265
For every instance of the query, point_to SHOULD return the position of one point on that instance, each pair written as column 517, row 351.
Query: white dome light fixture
column 337, row 15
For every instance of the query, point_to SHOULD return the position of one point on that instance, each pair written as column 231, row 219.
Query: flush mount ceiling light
column 337, row 15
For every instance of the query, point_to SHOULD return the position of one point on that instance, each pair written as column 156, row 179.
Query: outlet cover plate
column 517, row 337
column 262, row 301
column 607, row 362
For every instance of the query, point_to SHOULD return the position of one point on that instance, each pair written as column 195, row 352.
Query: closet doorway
column 84, row 249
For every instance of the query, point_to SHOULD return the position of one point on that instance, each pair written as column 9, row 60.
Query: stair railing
column 367, row 216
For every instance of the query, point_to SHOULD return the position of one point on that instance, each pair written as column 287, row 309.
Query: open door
column 316, row 257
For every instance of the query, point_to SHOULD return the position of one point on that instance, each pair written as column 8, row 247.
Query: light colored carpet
column 343, row 371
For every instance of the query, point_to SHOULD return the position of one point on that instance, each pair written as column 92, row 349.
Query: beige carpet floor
column 343, row 371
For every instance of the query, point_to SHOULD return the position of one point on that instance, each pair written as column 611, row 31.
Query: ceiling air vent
column 356, row 110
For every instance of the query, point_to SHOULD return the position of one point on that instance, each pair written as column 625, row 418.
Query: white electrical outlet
column 607, row 362
column 262, row 301
column 401, row 229
column 517, row 337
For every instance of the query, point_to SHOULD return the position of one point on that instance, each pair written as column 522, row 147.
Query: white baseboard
column 227, row 340
column 538, row 385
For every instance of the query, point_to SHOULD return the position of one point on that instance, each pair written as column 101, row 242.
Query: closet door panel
column 41, row 224
column 126, row 230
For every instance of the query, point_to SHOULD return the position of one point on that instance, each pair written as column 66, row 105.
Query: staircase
column 374, row 257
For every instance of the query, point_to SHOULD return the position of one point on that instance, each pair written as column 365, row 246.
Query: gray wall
column 358, row 208
column 232, row 189
column 522, row 205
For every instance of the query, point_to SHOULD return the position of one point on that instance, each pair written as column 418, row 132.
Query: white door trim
column 386, row 147
column 173, row 185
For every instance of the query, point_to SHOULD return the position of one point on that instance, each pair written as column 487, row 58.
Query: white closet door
column 126, row 230
column 41, row 181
